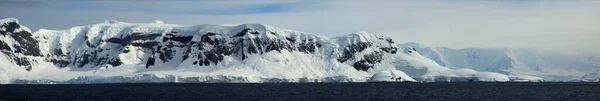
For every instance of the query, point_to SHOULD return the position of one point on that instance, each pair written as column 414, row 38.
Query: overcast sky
column 559, row 25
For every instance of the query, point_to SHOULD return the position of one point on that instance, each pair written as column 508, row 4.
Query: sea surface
column 307, row 92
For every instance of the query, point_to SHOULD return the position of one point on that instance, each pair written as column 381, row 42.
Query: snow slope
column 592, row 76
column 120, row 52
column 518, row 63
column 427, row 70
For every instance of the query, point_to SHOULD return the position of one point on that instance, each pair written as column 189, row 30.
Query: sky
column 569, row 26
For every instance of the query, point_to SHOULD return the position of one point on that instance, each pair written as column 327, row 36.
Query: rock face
column 110, row 43
column 18, row 43
column 244, row 53
column 361, row 41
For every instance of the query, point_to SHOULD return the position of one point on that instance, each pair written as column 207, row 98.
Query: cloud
column 551, row 25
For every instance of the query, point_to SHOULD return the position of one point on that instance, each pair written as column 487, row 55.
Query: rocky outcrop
column 18, row 43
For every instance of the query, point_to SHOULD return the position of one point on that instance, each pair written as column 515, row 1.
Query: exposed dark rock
column 375, row 57
column 206, row 38
column 25, row 43
column 126, row 50
column 28, row 45
column 148, row 45
column 242, row 33
column 205, row 56
column 134, row 37
column 58, row 52
column 116, row 62
column 392, row 50
column 177, row 38
column 122, row 41
column 87, row 43
column 369, row 61
column 60, row 63
column 290, row 39
column 389, row 40
column 23, row 61
column 166, row 54
column 409, row 50
column 150, row 61
column 362, row 65
column 309, row 46
column 351, row 49
column 9, row 27
column 4, row 47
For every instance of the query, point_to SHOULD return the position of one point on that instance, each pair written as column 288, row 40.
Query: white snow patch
column 390, row 76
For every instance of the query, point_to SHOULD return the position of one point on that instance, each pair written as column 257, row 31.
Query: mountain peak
column 112, row 21
column 364, row 34
column 261, row 27
column 12, row 25
column 366, row 37
column 7, row 20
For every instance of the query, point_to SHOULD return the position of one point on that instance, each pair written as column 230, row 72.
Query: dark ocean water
column 308, row 91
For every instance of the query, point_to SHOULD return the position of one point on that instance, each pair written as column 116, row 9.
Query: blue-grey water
column 307, row 91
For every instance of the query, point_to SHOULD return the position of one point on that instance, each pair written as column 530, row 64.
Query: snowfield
column 120, row 52
column 518, row 64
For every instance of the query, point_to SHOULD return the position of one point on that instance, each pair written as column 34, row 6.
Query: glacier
column 121, row 52
column 520, row 64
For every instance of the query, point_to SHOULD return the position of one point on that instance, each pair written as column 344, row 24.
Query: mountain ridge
column 114, row 51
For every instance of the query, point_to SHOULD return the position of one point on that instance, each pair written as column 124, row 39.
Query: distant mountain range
column 120, row 52
column 512, row 61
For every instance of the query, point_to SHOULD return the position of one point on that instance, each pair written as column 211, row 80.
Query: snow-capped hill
column 426, row 70
column 98, row 44
column 509, row 61
column 17, row 38
column 364, row 36
column 363, row 50
column 111, row 21
column 18, row 44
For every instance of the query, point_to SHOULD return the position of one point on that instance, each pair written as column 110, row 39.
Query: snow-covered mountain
column 113, row 52
column 511, row 61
